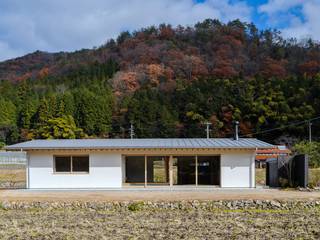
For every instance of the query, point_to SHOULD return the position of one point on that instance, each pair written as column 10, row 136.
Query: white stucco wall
column 104, row 172
column 107, row 170
column 238, row 170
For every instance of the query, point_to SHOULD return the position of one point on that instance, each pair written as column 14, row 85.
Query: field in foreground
column 159, row 224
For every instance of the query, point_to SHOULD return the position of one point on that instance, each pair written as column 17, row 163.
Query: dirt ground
column 69, row 223
column 154, row 194
column 159, row 224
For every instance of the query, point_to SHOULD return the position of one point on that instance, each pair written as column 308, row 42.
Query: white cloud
column 301, row 25
column 274, row 6
column 64, row 25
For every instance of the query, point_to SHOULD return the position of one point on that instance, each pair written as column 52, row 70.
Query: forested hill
column 166, row 81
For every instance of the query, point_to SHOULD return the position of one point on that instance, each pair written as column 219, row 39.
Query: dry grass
column 260, row 176
column 160, row 174
column 314, row 177
column 159, row 224
column 12, row 178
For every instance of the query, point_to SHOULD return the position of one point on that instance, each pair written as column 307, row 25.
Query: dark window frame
column 71, row 164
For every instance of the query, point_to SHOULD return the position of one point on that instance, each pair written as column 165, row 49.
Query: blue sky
column 68, row 25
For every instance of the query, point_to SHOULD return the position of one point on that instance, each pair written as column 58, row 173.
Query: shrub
column 310, row 148
column 314, row 178
column 136, row 206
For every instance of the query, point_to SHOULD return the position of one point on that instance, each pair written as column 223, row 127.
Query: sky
column 68, row 25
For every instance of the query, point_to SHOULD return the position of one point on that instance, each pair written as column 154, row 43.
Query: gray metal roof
column 157, row 143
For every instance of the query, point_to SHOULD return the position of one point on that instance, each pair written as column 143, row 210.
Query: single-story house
column 117, row 163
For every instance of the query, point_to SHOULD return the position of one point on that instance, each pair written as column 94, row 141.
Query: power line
column 282, row 127
column 183, row 129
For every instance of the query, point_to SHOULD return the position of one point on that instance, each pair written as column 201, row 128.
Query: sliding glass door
column 208, row 170
column 184, row 170
column 150, row 170
column 158, row 170
column 135, row 169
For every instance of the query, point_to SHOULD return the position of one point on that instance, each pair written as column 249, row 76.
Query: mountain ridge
column 168, row 82
column 210, row 48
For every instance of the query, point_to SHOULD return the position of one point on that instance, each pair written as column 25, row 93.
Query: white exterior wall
column 238, row 170
column 104, row 172
column 107, row 170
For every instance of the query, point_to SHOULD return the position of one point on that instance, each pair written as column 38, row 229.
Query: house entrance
column 209, row 170
column 143, row 170
column 198, row 170
column 172, row 170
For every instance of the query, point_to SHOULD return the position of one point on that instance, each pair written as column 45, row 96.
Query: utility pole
column 208, row 129
column 131, row 131
column 310, row 131
column 123, row 132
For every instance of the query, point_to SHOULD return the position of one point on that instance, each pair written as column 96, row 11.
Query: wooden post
column 145, row 171
column 167, row 171
column 171, row 171
column 196, row 160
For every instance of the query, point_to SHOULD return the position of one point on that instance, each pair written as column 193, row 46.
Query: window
column 80, row 164
column 63, row 164
column 71, row 164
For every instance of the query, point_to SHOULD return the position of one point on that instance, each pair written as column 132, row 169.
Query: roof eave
column 132, row 148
